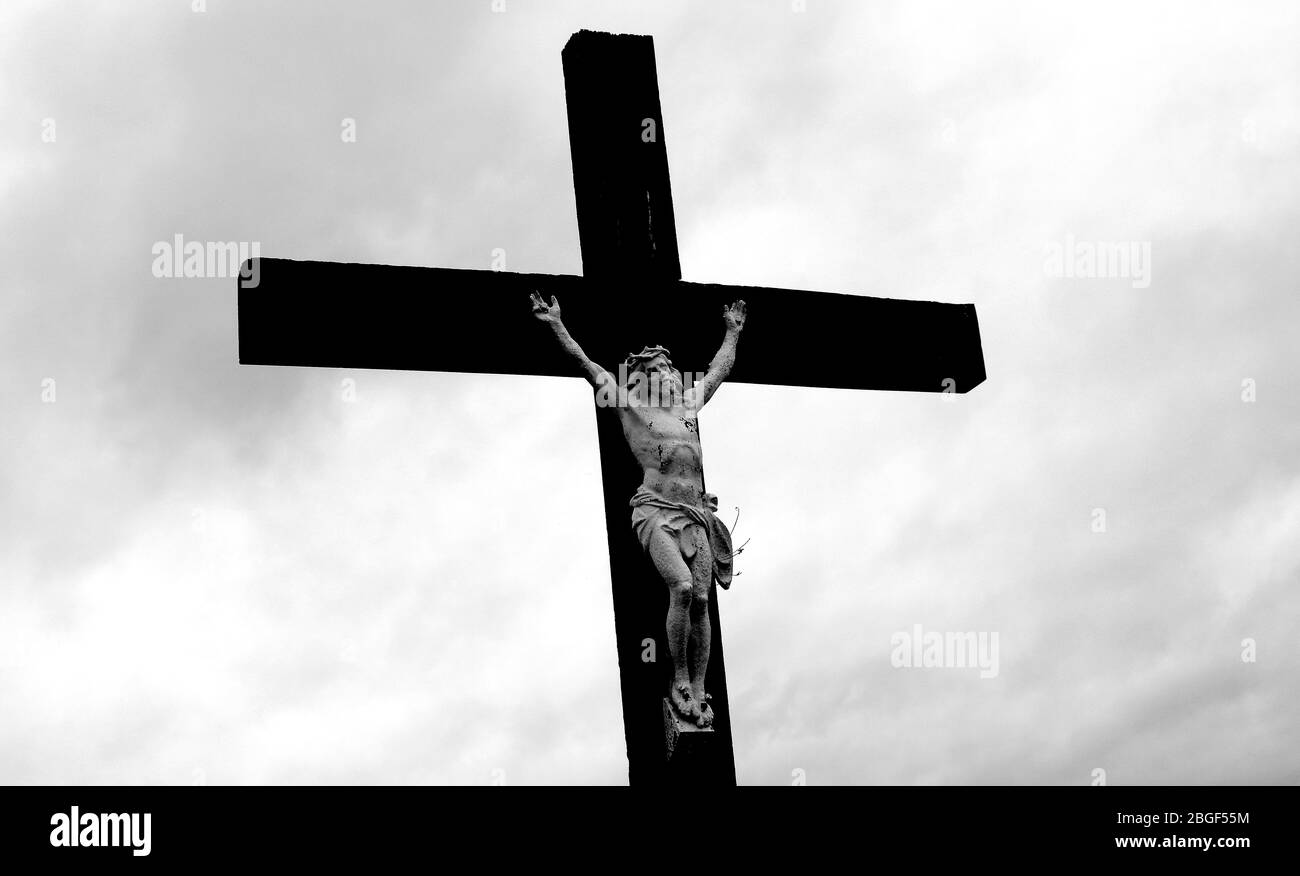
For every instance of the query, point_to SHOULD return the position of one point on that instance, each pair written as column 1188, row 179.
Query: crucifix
column 630, row 294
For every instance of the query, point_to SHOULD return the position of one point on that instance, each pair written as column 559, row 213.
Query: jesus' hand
column 548, row 313
column 734, row 315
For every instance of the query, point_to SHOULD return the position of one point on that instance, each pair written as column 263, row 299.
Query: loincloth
column 651, row 511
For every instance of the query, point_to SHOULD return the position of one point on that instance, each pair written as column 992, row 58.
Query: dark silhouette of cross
column 630, row 294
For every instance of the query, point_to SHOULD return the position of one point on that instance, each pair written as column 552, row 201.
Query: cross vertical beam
column 620, row 163
column 629, row 240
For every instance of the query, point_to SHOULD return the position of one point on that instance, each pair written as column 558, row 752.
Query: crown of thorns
column 636, row 361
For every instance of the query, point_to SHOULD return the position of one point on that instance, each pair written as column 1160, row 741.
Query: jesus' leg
column 667, row 556
column 701, row 628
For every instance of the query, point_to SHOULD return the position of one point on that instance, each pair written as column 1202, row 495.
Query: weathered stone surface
column 672, row 514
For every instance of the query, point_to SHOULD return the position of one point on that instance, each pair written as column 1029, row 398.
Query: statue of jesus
column 672, row 516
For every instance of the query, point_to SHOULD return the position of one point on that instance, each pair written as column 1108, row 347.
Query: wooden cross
column 377, row 316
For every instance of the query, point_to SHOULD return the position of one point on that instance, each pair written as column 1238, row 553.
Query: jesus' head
column 661, row 382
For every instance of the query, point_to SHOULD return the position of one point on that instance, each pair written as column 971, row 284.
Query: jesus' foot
column 703, row 712
column 683, row 702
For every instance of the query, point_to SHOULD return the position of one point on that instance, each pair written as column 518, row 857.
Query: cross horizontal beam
column 340, row 315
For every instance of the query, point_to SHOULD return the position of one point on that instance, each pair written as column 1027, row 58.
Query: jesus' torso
column 666, row 442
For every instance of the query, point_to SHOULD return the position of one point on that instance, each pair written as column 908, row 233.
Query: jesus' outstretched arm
column 550, row 314
column 733, row 316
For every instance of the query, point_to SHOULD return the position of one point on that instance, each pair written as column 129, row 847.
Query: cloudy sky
column 224, row 574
